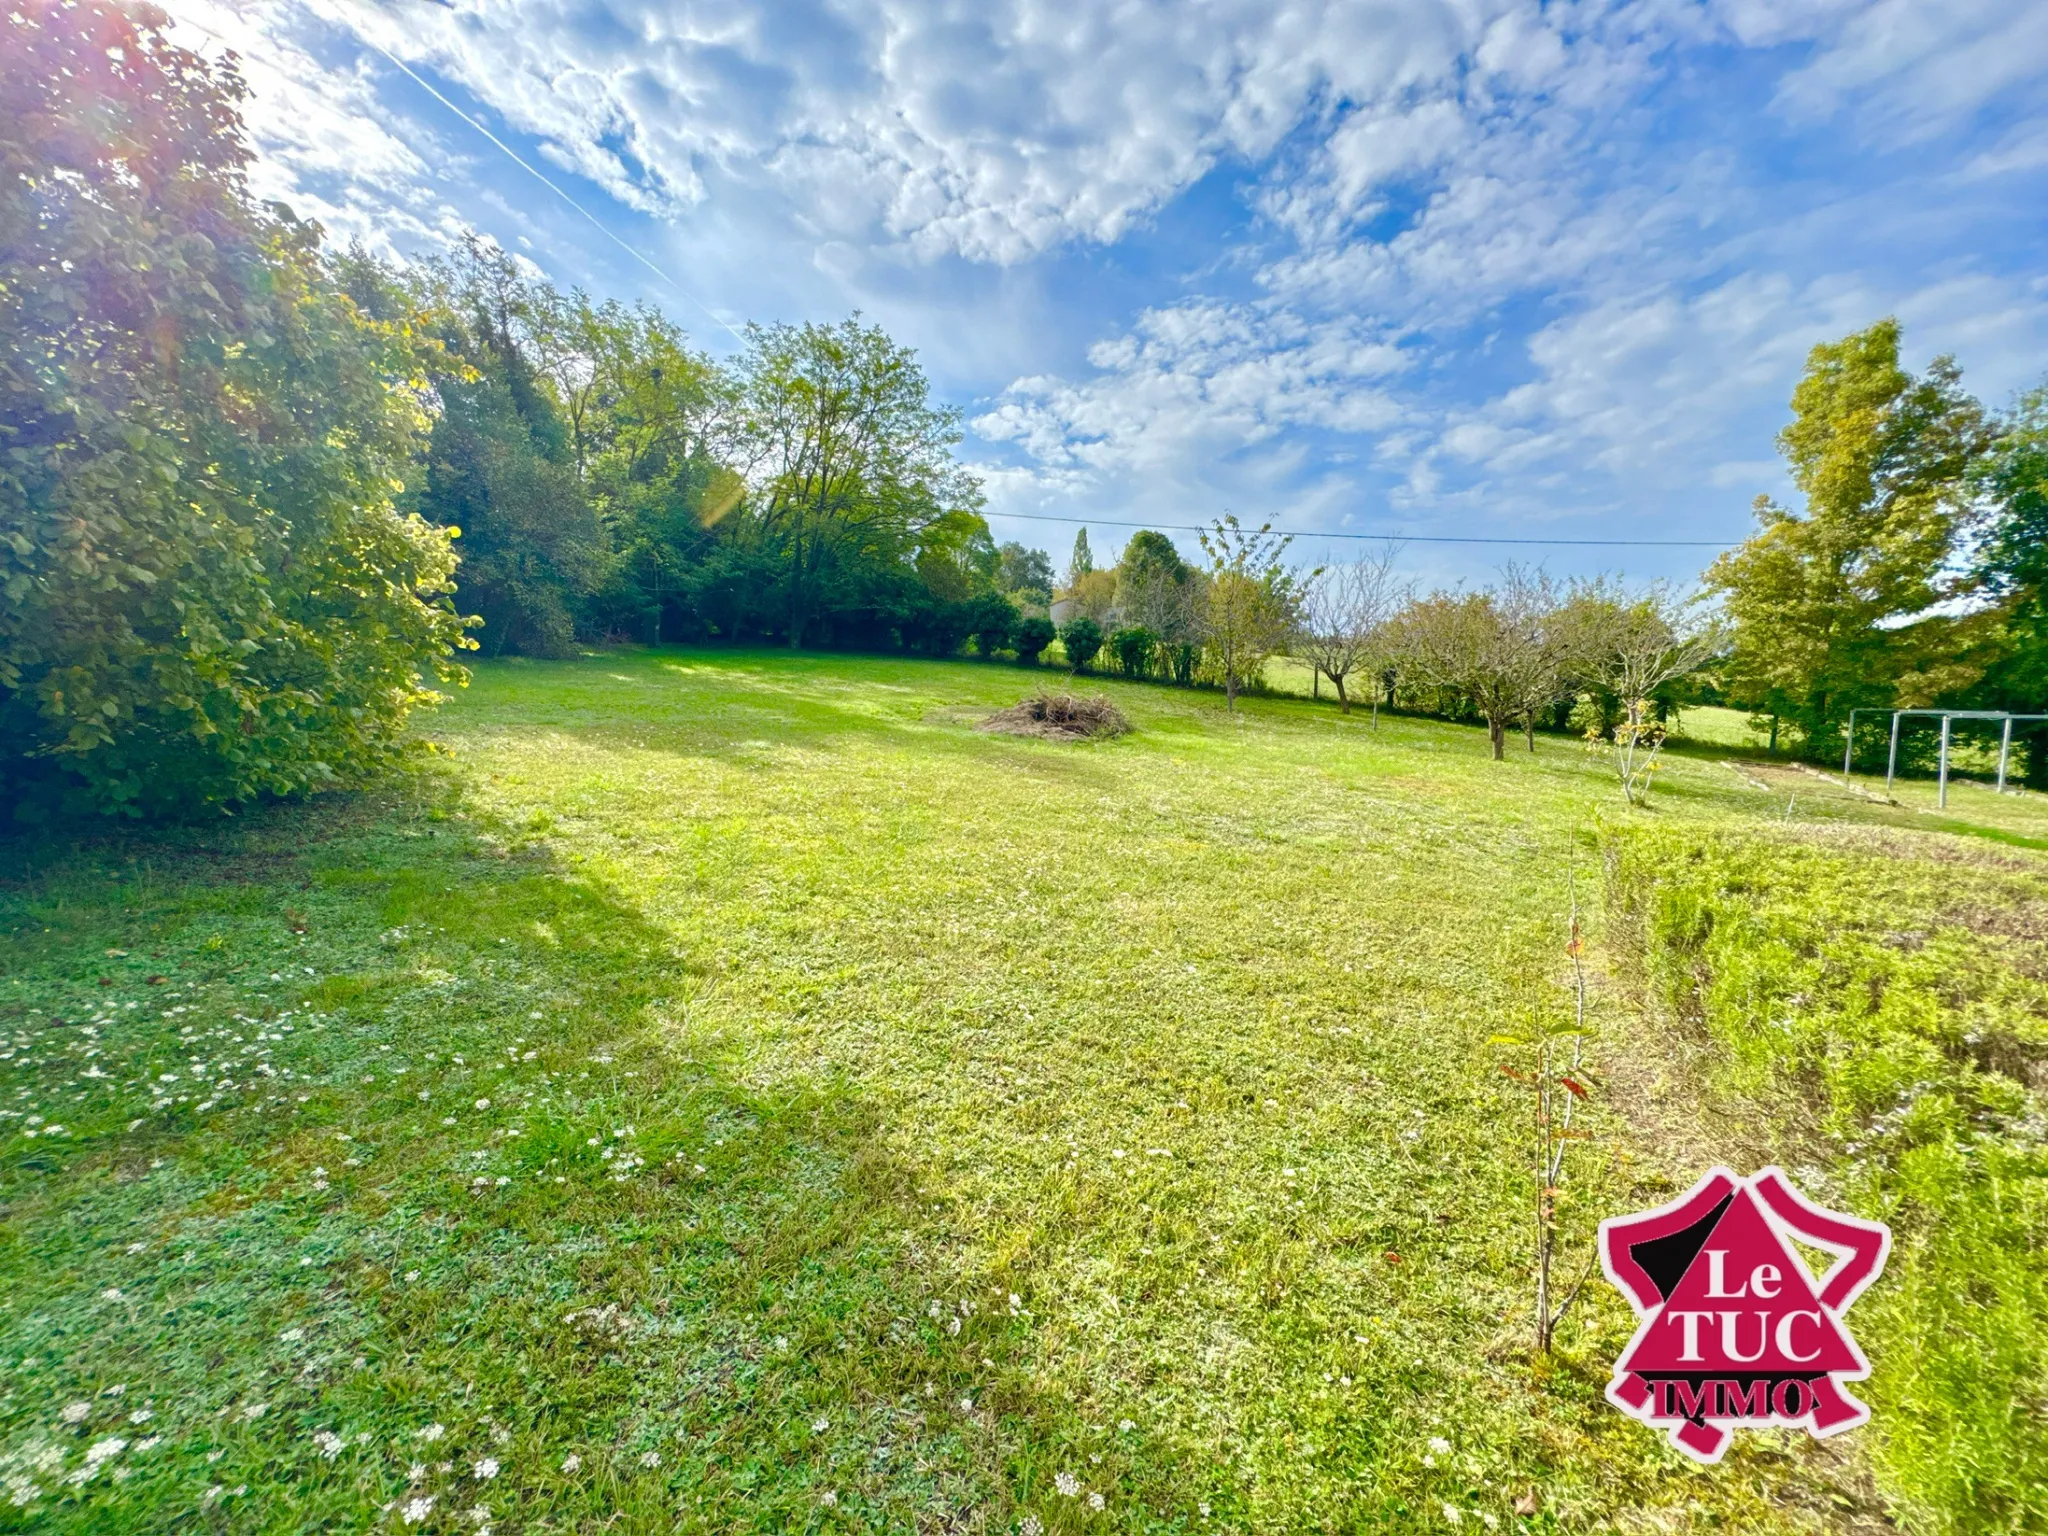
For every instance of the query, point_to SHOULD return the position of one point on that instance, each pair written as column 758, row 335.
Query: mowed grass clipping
column 730, row 1093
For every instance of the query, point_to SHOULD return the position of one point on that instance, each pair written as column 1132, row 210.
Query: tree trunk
column 1529, row 728
column 1315, row 686
column 1497, row 733
column 1343, row 698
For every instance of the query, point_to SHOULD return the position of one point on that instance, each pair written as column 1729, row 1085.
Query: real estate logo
column 1735, row 1330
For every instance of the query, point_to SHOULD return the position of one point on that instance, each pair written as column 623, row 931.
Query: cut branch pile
column 1059, row 717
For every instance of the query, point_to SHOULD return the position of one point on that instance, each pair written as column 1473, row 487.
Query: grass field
column 728, row 1092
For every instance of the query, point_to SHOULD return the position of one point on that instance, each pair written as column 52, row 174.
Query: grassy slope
column 1179, row 1040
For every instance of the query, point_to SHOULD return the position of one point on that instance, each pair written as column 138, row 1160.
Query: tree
column 1498, row 648
column 532, row 546
column 1093, row 596
column 2012, row 559
column 1159, row 592
column 640, row 408
column 1253, row 601
column 1025, row 573
column 992, row 620
column 2011, row 571
column 1830, row 607
column 502, row 460
column 1082, row 639
column 1133, row 647
column 633, row 397
column 210, row 592
column 848, row 462
column 1345, row 613
column 1082, row 561
column 1030, row 638
column 1632, row 645
column 1148, row 556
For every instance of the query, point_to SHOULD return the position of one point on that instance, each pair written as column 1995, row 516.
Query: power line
column 517, row 159
column 1395, row 538
column 532, row 171
column 1100, row 522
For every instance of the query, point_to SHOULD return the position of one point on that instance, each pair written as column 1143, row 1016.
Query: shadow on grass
column 376, row 1119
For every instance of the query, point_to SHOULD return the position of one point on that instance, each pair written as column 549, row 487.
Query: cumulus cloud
column 999, row 130
column 1490, row 253
column 1193, row 381
column 992, row 132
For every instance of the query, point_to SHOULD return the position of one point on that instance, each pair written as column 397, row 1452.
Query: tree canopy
column 1831, row 606
column 211, row 589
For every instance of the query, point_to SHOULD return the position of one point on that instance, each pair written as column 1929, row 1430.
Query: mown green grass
column 1711, row 724
column 1001, row 1116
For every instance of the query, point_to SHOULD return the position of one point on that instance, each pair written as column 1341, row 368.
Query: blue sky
column 1479, row 268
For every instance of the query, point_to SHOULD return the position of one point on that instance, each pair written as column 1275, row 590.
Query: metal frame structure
column 1891, row 767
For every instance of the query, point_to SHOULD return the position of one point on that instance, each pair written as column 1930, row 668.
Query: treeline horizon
column 610, row 482
column 259, row 496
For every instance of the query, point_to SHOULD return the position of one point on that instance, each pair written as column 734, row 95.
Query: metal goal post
column 1891, row 767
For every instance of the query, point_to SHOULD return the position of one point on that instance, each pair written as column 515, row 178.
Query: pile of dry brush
column 1059, row 717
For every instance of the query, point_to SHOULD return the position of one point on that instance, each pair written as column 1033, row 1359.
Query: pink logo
column 1735, row 1330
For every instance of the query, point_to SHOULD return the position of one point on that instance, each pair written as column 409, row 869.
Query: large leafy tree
column 1160, row 593
column 1158, row 608
column 1025, row 574
column 209, row 591
column 503, row 465
column 849, row 465
column 1830, row 606
column 642, row 408
column 2011, row 570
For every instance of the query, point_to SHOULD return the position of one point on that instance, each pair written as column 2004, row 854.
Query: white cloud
column 994, row 131
column 1908, row 69
column 1000, row 130
column 1471, row 264
column 2024, row 148
column 1194, row 381
column 326, row 145
column 1648, row 388
column 1635, row 385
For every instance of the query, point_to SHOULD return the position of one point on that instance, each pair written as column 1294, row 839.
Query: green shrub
column 1031, row 637
column 1133, row 648
column 209, row 591
column 994, row 620
column 1893, row 1010
column 1083, row 641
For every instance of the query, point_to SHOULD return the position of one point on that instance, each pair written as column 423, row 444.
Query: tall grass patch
column 1886, row 999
